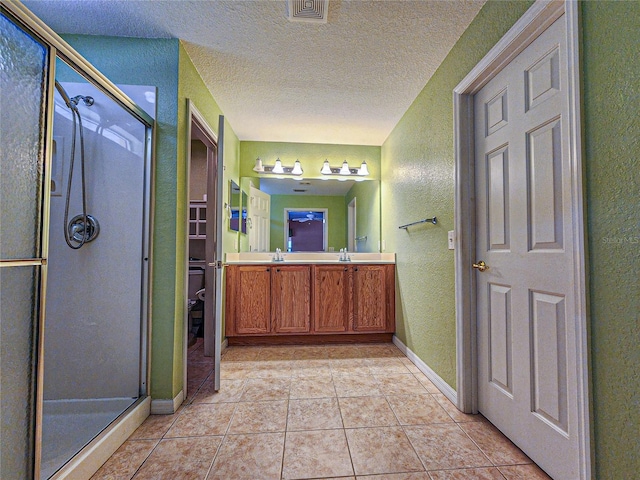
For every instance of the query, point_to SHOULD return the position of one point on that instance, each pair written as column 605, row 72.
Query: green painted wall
column 611, row 79
column 367, row 195
column 336, row 227
column 417, row 181
column 152, row 62
column 311, row 156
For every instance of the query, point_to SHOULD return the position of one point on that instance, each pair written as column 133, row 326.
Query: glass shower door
column 22, row 80
column 94, row 368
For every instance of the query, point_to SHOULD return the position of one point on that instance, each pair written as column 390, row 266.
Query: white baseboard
column 167, row 406
column 440, row 384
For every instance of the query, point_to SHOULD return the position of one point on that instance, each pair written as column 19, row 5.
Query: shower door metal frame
column 57, row 47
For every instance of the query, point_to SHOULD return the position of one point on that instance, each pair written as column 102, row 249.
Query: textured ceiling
column 348, row 81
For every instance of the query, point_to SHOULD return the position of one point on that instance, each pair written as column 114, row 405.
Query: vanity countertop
column 293, row 258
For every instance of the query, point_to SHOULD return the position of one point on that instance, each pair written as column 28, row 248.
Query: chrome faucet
column 344, row 255
column 278, row 256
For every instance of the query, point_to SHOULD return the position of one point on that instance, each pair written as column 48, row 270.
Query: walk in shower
column 74, row 252
column 93, row 336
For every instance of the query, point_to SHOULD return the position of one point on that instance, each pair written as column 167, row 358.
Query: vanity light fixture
column 278, row 168
column 345, row 169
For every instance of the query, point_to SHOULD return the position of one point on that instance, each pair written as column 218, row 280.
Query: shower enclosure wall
column 74, row 329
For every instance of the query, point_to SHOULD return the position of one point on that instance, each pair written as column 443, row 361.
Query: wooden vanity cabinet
column 291, row 299
column 332, row 293
column 373, row 298
column 309, row 303
column 248, row 300
column 268, row 299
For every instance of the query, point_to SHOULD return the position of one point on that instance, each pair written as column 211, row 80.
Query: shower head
column 88, row 101
column 72, row 103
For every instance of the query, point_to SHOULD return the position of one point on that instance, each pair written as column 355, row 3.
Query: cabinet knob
column 345, row 269
column 277, row 269
column 356, row 269
column 268, row 269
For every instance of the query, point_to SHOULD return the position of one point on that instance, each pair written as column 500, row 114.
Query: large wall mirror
column 350, row 218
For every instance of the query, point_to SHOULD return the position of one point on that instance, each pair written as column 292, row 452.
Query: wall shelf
column 197, row 220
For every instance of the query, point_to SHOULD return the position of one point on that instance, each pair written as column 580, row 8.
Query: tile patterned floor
column 310, row 412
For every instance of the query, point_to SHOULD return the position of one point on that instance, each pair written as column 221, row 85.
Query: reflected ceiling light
column 278, row 168
column 345, row 169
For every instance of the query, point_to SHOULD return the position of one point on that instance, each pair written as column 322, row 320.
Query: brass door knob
column 480, row 266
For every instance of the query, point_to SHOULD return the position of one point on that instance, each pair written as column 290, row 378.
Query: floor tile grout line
column 284, row 439
column 145, row 460
column 476, row 444
column 346, row 439
column 224, row 436
column 496, row 465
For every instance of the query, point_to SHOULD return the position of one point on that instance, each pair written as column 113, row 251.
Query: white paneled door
column 259, row 215
column 527, row 383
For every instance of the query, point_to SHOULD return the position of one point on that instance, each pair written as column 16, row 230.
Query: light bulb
column 326, row 168
column 345, row 169
column 297, row 168
column 258, row 168
column 363, row 169
column 277, row 168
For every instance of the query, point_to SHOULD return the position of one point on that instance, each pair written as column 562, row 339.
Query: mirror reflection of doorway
column 306, row 229
column 351, row 226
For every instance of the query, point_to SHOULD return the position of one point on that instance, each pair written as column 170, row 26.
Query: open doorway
column 202, row 286
column 305, row 229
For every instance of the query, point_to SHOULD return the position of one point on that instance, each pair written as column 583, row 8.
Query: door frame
column 535, row 21
column 213, row 345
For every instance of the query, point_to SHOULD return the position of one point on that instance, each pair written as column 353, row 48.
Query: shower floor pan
column 69, row 425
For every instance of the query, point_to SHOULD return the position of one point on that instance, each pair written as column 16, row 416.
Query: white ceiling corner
column 346, row 81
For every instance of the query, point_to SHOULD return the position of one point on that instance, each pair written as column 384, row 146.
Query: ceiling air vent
column 313, row 11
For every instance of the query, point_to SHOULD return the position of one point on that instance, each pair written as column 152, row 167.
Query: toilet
column 196, row 282
column 196, row 298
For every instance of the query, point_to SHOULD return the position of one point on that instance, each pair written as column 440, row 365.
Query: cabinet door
column 253, row 300
column 291, row 299
column 331, row 294
column 372, row 293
